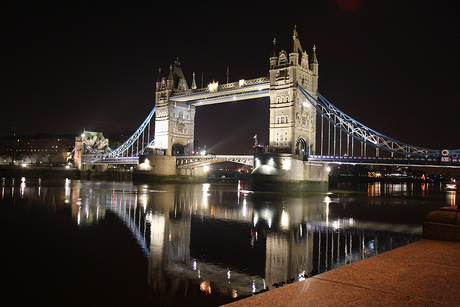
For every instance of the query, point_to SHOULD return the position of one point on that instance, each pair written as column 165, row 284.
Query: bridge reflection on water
column 225, row 240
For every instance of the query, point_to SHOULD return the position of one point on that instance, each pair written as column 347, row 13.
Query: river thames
column 73, row 242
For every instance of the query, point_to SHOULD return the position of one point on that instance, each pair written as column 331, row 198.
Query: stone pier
column 287, row 172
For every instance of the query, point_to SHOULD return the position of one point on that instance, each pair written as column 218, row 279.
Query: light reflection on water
column 208, row 244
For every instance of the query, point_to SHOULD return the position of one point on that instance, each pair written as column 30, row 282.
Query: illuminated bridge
column 302, row 123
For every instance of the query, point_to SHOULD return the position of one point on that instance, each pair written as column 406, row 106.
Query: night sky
column 73, row 65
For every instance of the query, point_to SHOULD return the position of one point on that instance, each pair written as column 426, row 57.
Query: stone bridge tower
column 292, row 117
column 174, row 121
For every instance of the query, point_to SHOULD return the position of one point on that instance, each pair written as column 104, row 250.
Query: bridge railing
column 133, row 142
column 362, row 133
column 416, row 160
column 184, row 161
column 227, row 86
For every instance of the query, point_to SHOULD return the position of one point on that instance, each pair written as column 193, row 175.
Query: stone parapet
column 443, row 224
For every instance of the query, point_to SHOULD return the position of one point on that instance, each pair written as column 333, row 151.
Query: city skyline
column 74, row 66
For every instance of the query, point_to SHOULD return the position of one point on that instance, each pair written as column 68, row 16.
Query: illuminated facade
column 174, row 121
column 292, row 117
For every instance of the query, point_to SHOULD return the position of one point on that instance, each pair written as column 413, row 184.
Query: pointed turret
column 159, row 75
column 296, row 46
column 273, row 57
column 193, row 82
column 158, row 79
column 170, row 77
column 314, row 62
column 170, row 81
column 297, row 50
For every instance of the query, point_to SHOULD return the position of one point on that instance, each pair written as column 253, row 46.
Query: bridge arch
column 302, row 147
column 177, row 149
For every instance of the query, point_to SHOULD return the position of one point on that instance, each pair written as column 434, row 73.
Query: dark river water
column 72, row 242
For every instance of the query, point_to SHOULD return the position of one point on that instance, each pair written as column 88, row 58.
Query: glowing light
column 206, row 287
column 256, row 219
column 213, row 86
column 336, row 224
column 285, row 220
column 286, row 164
column 206, row 168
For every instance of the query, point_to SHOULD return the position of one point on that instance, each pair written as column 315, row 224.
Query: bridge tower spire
column 292, row 117
column 174, row 121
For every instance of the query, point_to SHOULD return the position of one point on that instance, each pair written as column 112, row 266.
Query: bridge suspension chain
column 364, row 134
column 130, row 143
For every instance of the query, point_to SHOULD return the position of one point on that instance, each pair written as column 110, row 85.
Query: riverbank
column 108, row 175
column 424, row 273
column 39, row 171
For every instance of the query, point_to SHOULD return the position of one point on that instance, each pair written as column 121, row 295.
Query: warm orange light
column 213, row 86
column 206, row 287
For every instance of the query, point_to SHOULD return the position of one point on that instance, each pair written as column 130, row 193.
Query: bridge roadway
column 181, row 161
column 414, row 160
column 99, row 159
column 192, row 161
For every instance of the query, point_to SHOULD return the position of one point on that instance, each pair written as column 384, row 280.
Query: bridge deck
column 190, row 161
column 415, row 160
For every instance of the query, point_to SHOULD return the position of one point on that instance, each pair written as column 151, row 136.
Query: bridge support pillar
column 283, row 172
column 157, row 165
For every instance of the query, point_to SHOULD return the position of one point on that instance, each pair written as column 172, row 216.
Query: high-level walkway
column 425, row 273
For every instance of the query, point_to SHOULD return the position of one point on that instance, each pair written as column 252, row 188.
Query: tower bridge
column 306, row 131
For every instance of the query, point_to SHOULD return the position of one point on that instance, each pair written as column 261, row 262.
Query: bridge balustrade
column 391, row 160
column 185, row 161
column 222, row 87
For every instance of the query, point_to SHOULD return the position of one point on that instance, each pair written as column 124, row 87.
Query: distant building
column 89, row 142
column 36, row 149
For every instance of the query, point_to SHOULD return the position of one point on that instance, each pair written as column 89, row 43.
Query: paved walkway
column 425, row 273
